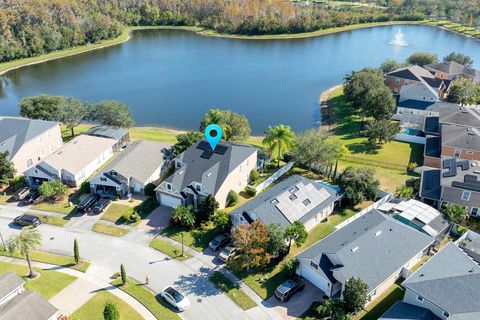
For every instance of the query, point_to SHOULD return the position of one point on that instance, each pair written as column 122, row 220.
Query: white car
column 175, row 298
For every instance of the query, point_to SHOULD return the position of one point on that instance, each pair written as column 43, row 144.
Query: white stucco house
column 74, row 162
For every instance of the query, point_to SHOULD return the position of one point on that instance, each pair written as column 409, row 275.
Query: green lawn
column 47, row 285
column 115, row 212
column 196, row 239
column 93, row 308
column 148, row 298
column 110, row 230
column 265, row 282
column 50, row 258
column 169, row 249
column 380, row 305
column 232, row 290
column 55, row 221
column 390, row 159
column 4, row 199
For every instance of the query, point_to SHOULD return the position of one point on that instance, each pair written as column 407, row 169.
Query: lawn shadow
column 364, row 147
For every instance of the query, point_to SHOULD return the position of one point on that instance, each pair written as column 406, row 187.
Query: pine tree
column 123, row 274
column 76, row 254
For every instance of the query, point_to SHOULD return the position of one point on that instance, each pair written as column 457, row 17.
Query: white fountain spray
column 399, row 39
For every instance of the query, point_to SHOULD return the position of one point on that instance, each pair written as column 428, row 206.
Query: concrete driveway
column 298, row 303
column 158, row 220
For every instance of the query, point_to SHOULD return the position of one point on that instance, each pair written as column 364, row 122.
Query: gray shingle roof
column 15, row 132
column 415, row 73
column 450, row 280
column 372, row 247
column 453, row 69
column 406, row 311
column 28, row 305
column 210, row 170
column 460, row 137
column 139, row 160
column 263, row 208
column 9, row 281
column 455, row 114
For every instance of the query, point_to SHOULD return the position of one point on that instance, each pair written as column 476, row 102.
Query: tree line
column 29, row 28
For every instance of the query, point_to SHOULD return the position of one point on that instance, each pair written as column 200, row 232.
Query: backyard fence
column 364, row 211
column 274, row 177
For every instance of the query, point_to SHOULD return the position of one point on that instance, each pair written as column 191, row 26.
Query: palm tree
column 28, row 239
column 279, row 137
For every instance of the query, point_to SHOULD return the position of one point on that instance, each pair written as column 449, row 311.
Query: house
column 452, row 70
column 413, row 114
column 120, row 134
column 425, row 85
column 446, row 287
column 200, row 172
column 417, row 215
column 74, row 162
column 294, row 199
column 141, row 163
column 374, row 247
column 18, row 304
column 28, row 141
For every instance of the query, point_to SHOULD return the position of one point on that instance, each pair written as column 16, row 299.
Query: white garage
column 315, row 278
column 169, row 201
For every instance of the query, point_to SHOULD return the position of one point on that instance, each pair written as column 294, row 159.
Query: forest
column 29, row 28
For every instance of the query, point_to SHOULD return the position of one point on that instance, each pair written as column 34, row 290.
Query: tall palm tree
column 279, row 137
column 28, row 239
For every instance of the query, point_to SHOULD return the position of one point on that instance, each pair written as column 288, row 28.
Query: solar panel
column 470, row 178
column 221, row 149
column 203, row 145
column 465, row 165
column 206, row 154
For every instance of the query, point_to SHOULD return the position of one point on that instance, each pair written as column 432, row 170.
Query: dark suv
column 32, row 197
column 100, row 205
column 287, row 289
column 86, row 204
column 27, row 220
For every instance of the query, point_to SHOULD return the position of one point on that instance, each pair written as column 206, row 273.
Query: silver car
column 227, row 253
column 175, row 299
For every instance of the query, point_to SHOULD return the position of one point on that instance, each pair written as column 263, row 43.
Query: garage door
column 169, row 201
column 316, row 279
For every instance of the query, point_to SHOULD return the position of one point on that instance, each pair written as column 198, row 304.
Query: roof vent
column 180, row 172
column 274, row 201
column 390, row 229
column 378, row 233
column 354, row 249
column 209, row 174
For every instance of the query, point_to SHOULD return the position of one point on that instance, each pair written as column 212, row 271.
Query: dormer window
column 446, row 314
column 419, row 298
column 466, row 195
column 198, row 188
column 169, row 186
column 179, row 164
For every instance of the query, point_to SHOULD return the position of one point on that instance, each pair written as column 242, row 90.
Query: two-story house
column 446, row 287
column 28, row 141
column 452, row 70
column 200, row 172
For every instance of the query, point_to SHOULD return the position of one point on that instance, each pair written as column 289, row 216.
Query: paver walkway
column 85, row 287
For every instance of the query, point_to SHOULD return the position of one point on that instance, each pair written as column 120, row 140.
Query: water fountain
column 398, row 40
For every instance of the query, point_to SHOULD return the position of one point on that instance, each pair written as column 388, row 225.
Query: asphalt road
column 107, row 253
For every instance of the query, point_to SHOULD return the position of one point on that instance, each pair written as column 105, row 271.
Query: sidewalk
column 87, row 284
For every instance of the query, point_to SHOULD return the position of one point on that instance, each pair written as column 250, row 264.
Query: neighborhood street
column 107, row 253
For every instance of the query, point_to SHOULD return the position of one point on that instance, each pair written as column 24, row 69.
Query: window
column 406, row 82
column 103, row 179
column 474, row 212
column 446, row 314
column 169, row 186
column 198, row 188
column 457, row 152
column 314, row 265
column 29, row 163
column 466, row 195
column 397, row 81
column 420, row 298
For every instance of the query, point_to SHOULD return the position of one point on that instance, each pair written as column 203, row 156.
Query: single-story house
column 141, row 163
column 374, row 247
column 28, row 141
column 117, row 133
column 294, row 199
column 446, row 287
column 18, row 304
column 74, row 162
column 200, row 172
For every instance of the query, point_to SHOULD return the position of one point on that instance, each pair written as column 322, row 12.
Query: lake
column 171, row 78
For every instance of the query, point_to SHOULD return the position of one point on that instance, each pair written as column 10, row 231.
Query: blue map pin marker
column 213, row 134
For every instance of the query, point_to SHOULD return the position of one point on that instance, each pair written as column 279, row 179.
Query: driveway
column 158, row 220
column 298, row 303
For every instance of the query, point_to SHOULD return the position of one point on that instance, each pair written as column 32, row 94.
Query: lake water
column 171, row 78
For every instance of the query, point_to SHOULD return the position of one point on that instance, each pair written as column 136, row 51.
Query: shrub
column 123, row 274
column 254, row 176
column 251, row 191
column 183, row 216
column 17, row 183
column 150, row 190
column 221, row 219
column 110, row 312
column 135, row 217
column 412, row 166
column 85, row 187
column 289, row 266
column 232, row 198
column 127, row 215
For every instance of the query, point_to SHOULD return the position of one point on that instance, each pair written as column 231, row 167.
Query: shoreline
column 127, row 35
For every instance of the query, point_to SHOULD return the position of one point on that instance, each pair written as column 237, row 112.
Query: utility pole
column 3, row 242
column 182, row 244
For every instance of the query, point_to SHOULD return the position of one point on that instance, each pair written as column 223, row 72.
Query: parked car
column 287, row 289
column 86, row 204
column 101, row 205
column 32, row 197
column 27, row 220
column 21, row 194
column 175, row 299
column 219, row 241
column 227, row 253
